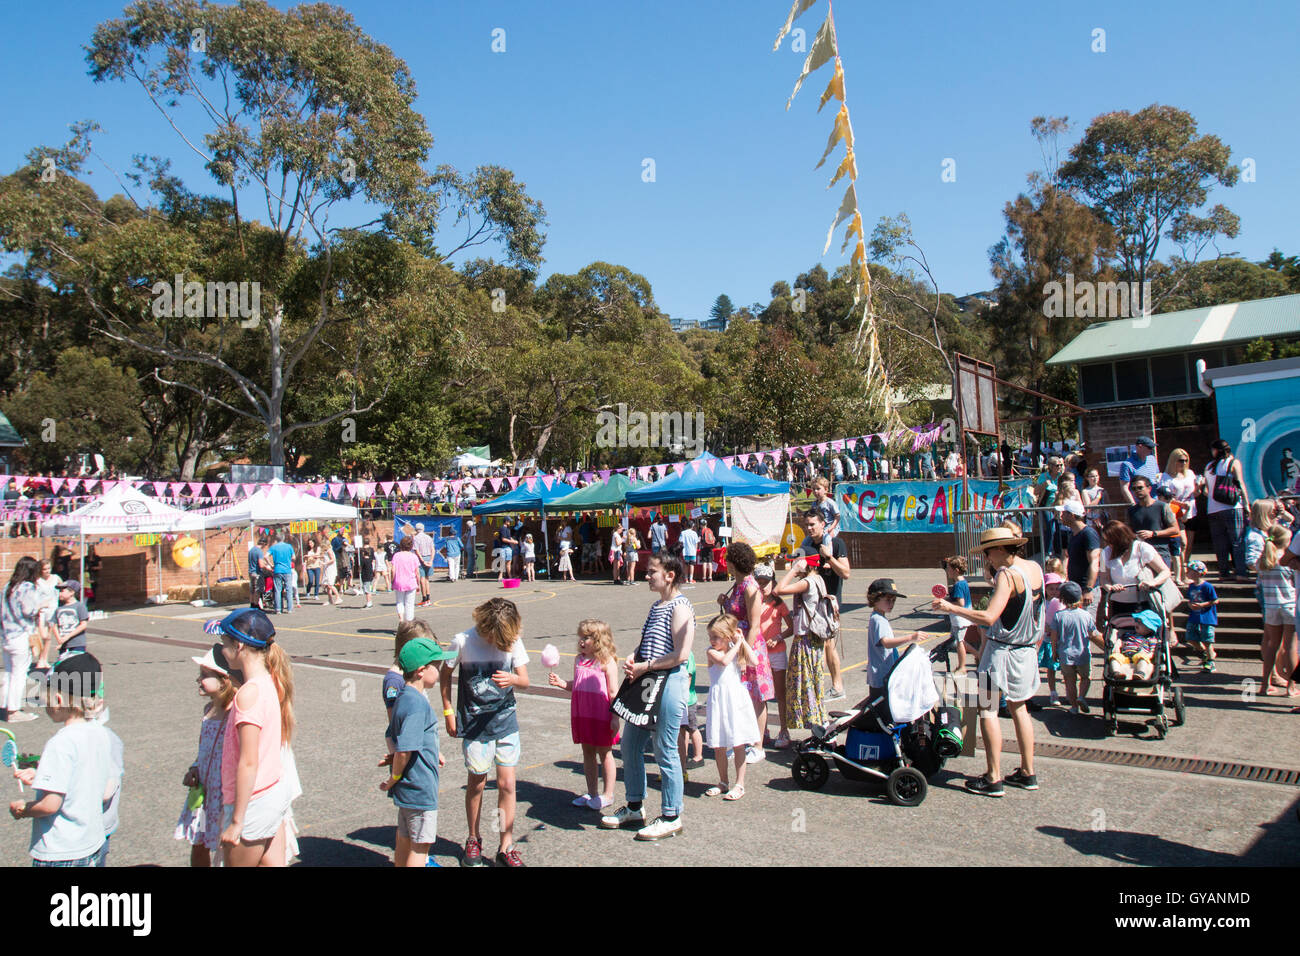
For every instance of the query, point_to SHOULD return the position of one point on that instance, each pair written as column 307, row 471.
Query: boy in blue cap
column 1134, row 653
column 413, row 730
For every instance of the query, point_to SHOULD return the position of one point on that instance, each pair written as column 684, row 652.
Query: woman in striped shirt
column 665, row 644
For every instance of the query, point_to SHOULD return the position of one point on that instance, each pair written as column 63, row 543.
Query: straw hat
column 998, row 537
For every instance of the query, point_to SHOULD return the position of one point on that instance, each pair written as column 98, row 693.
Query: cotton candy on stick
column 550, row 657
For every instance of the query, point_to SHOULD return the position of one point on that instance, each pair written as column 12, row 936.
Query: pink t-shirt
column 266, row 715
column 1053, row 608
column 405, row 568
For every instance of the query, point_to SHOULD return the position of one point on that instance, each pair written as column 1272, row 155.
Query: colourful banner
column 921, row 506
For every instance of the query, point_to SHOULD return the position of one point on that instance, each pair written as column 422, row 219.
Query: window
column 1132, row 380
column 1097, row 384
column 1168, row 375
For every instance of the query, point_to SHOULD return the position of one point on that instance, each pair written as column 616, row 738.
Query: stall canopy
column 470, row 460
column 122, row 510
column 535, row 493
column 610, row 493
column 278, row 503
column 706, row 477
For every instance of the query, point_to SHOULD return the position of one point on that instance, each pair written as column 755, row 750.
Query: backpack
column 819, row 610
column 706, row 535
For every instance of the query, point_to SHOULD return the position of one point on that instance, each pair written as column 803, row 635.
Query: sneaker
column 1208, row 667
column 754, row 755
column 834, row 694
column 981, row 785
column 473, row 853
column 782, row 741
column 1074, row 708
column 599, row 802
column 1084, row 708
column 1025, row 781
column 582, row 801
column 1054, row 699
column 509, row 857
column 624, row 819
column 661, row 829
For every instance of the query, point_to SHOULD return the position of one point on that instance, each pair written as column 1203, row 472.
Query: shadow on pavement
column 322, row 851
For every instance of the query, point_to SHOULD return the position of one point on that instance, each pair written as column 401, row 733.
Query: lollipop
column 939, row 591
column 550, row 657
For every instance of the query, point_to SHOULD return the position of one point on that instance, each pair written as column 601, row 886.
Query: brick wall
column 130, row 573
column 1106, row 427
column 868, row 550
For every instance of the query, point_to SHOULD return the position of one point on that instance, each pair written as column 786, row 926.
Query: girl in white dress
column 730, row 723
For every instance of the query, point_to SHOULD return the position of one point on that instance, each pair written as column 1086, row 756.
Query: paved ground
column 1085, row 813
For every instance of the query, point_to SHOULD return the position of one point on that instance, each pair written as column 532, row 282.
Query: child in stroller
column 1132, row 650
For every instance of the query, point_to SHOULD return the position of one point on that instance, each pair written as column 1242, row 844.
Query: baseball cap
column 1052, row 578
column 420, row 651
column 1070, row 506
column 1149, row 619
column 1197, row 566
column 1070, row 593
column 77, row 676
column 419, row 526
column 882, row 587
column 73, row 586
column 1144, row 440
column 764, row 571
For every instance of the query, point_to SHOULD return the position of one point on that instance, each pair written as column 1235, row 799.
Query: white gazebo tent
column 124, row 510
column 278, row 503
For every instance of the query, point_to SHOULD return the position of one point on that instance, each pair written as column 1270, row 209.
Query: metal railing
column 968, row 525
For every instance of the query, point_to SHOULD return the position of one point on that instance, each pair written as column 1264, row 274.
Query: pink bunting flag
column 351, row 486
column 404, row 487
column 56, row 484
column 108, row 485
column 88, row 484
column 712, row 463
column 729, row 460
column 695, row 467
column 604, row 474
column 337, row 489
column 213, row 487
column 421, row 485
column 680, row 467
column 547, row 482
column 514, row 482
column 494, row 484
column 531, row 482
column 386, row 487
column 838, row 445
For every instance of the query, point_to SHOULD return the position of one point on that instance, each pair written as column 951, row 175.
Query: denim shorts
column 426, row 570
column 1200, row 633
column 480, row 755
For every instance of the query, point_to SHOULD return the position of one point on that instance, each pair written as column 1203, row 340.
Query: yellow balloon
column 185, row 552
column 792, row 538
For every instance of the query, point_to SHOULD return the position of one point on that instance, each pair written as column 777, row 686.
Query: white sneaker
column 1055, row 699
column 582, row 801
column 754, row 755
column 18, row 716
column 661, row 829
column 626, row 818
column 599, row 803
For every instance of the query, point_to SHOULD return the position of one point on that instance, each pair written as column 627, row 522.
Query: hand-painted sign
column 922, row 506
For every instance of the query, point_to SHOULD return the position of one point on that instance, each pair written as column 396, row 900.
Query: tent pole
column 546, row 537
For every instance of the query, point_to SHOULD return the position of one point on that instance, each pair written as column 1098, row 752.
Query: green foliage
column 85, row 405
column 722, row 308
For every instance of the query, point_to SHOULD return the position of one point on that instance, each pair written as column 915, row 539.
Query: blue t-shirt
column 394, row 684
column 1198, row 594
column 453, row 546
column 960, row 593
column 879, row 658
column 254, row 559
column 828, row 509
column 1075, row 626
column 282, row 557
column 414, row 730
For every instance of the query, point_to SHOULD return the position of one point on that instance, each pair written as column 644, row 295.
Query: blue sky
column 585, row 91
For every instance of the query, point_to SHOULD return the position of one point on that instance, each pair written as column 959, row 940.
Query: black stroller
column 875, row 747
column 1149, row 698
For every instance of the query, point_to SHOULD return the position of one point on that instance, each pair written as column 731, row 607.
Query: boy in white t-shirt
column 75, row 776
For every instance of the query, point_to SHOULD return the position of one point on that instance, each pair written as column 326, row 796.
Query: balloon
column 185, row 552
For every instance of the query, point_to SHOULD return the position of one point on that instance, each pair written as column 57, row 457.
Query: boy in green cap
column 413, row 732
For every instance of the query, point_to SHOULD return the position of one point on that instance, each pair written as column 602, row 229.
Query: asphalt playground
column 1095, row 806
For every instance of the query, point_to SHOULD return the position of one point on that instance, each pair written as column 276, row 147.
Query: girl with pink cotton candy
column 593, row 688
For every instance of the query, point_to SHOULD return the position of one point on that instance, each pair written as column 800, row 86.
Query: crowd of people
column 1042, row 617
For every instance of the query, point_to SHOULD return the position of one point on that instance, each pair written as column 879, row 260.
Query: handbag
column 1226, row 490
column 637, row 699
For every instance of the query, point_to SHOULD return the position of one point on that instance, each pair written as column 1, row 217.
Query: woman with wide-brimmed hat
column 1008, row 668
